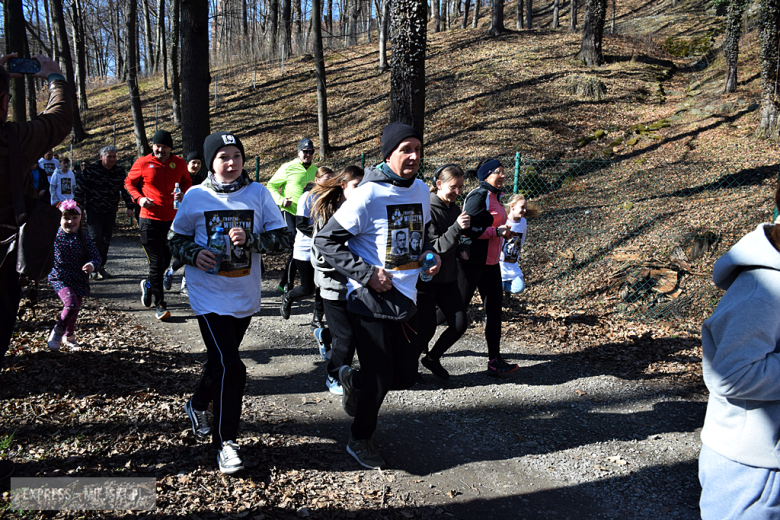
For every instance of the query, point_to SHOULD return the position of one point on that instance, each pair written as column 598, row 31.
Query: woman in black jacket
column 444, row 232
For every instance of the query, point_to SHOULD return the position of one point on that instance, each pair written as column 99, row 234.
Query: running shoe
column 286, row 307
column 162, row 313
column 435, row 367
column 323, row 347
column 334, row 386
column 365, row 453
column 498, row 366
column 199, row 421
column 184, row 290
column 349, row 397
column 103, row 273
column 55, row 338
column 146, row 293
column 168, row 279
column 228, row 459
column 70, row 341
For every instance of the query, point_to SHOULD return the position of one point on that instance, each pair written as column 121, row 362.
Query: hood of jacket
column 752, row 250
column 375, row 174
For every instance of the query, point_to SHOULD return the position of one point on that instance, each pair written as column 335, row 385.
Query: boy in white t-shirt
column 511, row 274
column 49, row 164
column 63, row 183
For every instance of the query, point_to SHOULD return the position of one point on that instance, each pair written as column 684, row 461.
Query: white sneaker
column 228, row 459
column 70, row 342
column 55, row 338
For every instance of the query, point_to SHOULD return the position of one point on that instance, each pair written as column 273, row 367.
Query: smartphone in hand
column 24, row 65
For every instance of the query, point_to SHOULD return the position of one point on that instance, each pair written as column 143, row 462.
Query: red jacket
column 151, row 179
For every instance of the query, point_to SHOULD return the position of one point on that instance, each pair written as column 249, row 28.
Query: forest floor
column 602, row 419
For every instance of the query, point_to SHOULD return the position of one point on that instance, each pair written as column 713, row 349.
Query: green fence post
column 517, row 172
column 257, row 168
column 362, row 160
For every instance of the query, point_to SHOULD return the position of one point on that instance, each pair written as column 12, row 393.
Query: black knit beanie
column 218, row 140
column 392, row 136
column 305, row 144
column 194, row 155
column 163, row 137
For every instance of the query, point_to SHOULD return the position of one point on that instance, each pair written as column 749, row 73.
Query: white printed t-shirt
column 510, row 250
column 384, row 219
column 49, row 166
column 62, row 186
column 235, row 291
column 302, row 245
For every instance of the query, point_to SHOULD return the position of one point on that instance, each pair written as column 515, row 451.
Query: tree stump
column 587, row 87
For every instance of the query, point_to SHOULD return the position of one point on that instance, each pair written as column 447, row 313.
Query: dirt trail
column 554, row 440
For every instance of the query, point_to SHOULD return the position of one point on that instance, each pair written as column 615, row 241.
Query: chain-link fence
column 628, row 237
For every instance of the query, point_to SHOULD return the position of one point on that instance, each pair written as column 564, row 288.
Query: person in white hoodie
column 739, row 464
column 63, row 183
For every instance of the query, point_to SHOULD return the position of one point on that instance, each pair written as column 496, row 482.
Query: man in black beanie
column 151, row 183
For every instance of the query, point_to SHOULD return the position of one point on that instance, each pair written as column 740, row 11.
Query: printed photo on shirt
column 65, row 187
column 512, row 248
column 404, row 224
column 237, row 262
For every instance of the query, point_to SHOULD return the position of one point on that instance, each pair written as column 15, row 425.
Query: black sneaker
column 103, row 273
column 286, row 306
column 365, row 453
column 435, row 367
column 199, row 420
column 162, row 313
column 316, row 322
column 349, row 399
column 168, row 279
column 146, row 293
column 499, row 366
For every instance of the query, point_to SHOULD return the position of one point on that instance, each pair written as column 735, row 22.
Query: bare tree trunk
column 612, row 24
column 32, row 102
column 161, row 46
column 61, row 34
column 273, row 16
column 497, row 20
column 529, row 15
column 141, row 142
column 383, row 30
column 298, row 27
column 407, row 79
column 80, row 48
column 769, row 125
column 50, row 34
column 319, row 67
column 151, row 66
column 119, row 60
column 593, row 34
column 16, row 41
column 353, row 19
column 286, row 26
column 466, row 6
column 573, row 15
column 475, row 18
column 436, row 8
column 519, row 23
column 736, row 9
column 329, row 20
column 556, row 13
column 195, row 77
column 174, row 61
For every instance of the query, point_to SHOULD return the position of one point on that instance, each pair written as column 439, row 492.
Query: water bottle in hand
column 428, row 262
column 176, row 190
column 217, row 247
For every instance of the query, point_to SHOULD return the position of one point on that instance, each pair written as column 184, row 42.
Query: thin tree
column 195, row 77
column 174, row 61
column 407, row 63
column 593, row 34
column 66, row 62
column 273, row 16
column 151, row 65
column 436, row 8
column 529, row 14
column 162, row 50
column 519, row 22
column 79, row 47
column 769, row 125
column 319, row 68
column 497, row 19
column 384, row 27
column 736, row 9
column 131, row 33
column 298, row 26
column 16, row 41
column 466, row 6
column 573, row 15
column 556, row 13
column 475, row 18
column 286, row 27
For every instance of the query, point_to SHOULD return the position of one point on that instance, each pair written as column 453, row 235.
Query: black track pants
column 154, row 239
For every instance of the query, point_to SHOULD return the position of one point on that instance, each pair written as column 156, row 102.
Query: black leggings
column 223, row 377
column 288, row 276
column 486, row 278
column 307, row 287
column 154, row 239
column 339, row 335
column 447, row 296
column 388, row 353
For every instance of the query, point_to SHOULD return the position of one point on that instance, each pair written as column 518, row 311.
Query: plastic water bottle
column 428, row 262
column 176, row 190
column 217, row 247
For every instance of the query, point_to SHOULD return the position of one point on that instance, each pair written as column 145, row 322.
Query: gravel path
column 556, row 439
